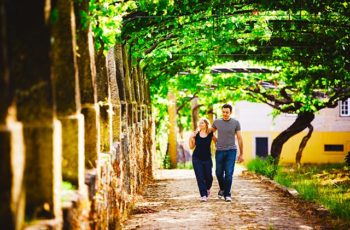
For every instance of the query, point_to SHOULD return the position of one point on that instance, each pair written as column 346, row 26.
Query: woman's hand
column 194, row 133
column 192, row 140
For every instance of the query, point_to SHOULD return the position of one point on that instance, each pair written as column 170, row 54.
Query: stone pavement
column 172, row 202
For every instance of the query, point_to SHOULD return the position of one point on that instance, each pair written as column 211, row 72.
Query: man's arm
column 212, row 129
column 240, row 144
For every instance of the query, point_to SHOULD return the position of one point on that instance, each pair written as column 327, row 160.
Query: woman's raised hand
column 194, row 133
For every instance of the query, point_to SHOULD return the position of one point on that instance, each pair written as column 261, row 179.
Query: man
column 226, row 150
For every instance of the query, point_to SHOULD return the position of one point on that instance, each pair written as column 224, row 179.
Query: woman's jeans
column 225, row 165
column 202, row 169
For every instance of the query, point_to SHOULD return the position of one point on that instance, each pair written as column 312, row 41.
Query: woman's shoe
column 221, row 194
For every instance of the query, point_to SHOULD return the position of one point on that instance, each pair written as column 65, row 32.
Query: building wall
column 329, row 128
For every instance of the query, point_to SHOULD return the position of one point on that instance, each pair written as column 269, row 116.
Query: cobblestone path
column 172, row 202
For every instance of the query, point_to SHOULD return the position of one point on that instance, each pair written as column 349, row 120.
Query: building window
column 334, row 148
column 345, row 108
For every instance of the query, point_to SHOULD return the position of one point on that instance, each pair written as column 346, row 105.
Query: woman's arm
column 192, row 141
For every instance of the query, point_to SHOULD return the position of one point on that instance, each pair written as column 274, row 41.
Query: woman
column 201, row 158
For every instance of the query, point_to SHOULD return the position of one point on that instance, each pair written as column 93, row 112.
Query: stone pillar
column 142, row 88
column 114, row 94
column 172, row 130
column 27, row 44
column 116, row 132
column 12, row 152
column 146, row 128
column 87, row 83
column 136, row 94
column 128, row 86
column 124, row 165
column 127, row 134
column 138, row 129
column 120, row 112
column 12, row 162
column 121, row 84
column 151, row 147
column 104, row 102
column 67, row 95
column 43, row 170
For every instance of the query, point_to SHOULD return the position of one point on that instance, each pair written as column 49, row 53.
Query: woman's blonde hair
column 207, row 122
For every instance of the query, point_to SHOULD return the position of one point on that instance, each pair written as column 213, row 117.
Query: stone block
column 116, row 123
column 105, row 128
column 73, row 160
column 91, row 135
column 43, row 174
column 12, row 159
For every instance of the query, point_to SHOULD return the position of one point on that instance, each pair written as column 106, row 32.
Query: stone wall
column 75, row 124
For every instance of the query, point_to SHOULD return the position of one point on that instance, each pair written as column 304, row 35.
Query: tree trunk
column 303, row 120
column 172, row 140
column 303, row 144
column 195, row 112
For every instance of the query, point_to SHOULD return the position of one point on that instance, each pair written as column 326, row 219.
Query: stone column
column 139, row 154
column 26, row 34
column 104, row 102
column 67, row 94
column 120, row 112
column 12, row 155
column 124, row 165
column 87, row 83
column 129, row 153
column 142, row 88
column 151, row 147
column 128, row 86
column 114, row 94
column 12, row 162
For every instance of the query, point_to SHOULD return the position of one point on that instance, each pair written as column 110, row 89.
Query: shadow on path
column 172, row 202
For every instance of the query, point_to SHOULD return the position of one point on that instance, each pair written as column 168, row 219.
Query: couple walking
column 225, row 156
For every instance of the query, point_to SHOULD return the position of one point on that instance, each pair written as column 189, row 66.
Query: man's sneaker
column 228, row 199
column 204, row 199
column 221, row 194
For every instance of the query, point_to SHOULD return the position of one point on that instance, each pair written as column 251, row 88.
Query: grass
column 264, row 167
column 328, row 185
column 186, row 165
column 67, row 191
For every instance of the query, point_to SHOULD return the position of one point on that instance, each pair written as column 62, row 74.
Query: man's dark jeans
column 202, row 169
column 225, row 165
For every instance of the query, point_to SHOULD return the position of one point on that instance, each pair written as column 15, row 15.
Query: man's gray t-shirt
column 226, row 133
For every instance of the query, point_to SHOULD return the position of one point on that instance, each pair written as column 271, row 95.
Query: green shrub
column 347, row 159
column 166, row 161
column 283, row 179
column 186, row 165
column 264, row 166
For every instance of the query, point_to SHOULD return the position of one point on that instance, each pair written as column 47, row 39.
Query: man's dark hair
column 225, row 106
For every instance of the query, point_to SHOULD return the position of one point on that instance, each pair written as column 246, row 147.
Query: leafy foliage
column 265, row 167
column 305, row 44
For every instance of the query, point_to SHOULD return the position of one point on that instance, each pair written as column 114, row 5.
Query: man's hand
column 240, row 158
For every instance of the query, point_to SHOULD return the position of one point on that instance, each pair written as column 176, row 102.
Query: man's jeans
column 204, row 176
column 225, row 165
